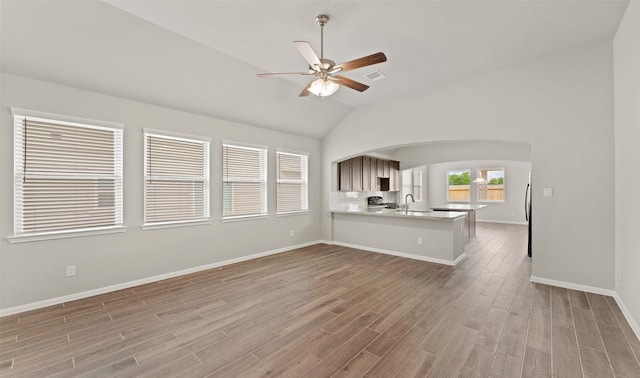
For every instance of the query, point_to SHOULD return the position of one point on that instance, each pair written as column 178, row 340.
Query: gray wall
column 458, row 150
column 34, row 271
column 514, row 157
column 562, row 106
column 627, row 137
column 516, row 178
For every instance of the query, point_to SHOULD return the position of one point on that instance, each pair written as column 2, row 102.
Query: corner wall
column 626, row 53
column 562, row 105
column 34, row 271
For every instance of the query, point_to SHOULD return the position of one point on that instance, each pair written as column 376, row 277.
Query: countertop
column 392, row 213
column 458, row 207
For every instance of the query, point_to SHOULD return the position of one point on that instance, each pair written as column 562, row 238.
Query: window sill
column 156, row 226
column 65, row 235
column 498, row 202
column 240, row 218
column 292, row 213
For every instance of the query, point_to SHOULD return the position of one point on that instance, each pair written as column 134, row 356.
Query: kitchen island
column 423, row 235
column 470, row 221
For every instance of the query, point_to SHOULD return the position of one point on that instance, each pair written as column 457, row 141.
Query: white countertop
column 459, row 207
column 392, row 213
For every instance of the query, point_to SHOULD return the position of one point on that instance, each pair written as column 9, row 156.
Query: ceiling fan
column 327, row 81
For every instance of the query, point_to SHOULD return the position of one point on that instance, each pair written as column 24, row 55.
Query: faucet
column 406, row 202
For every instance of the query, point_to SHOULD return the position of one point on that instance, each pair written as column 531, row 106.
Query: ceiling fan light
column 323, row 87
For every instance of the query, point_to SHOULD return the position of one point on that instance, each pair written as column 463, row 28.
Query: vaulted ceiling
column 203, row 56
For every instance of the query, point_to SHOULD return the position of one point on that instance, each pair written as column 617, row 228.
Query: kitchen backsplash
column 360, row 198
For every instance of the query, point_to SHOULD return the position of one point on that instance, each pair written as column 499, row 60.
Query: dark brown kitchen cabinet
column 362, row 173
column 366, row 174
column 369, row 173
column 356, row 174
column 394, row 176
column 383, row 168
column 344, row 175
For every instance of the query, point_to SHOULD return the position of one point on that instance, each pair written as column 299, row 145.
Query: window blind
column 244, row 180
column 176, row 178
column 292, row 186
column 68, row 176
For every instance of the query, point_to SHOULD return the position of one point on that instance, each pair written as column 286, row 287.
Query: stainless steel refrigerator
column 527, row 213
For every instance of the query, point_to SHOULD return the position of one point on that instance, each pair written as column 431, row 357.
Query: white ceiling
column 202, row 56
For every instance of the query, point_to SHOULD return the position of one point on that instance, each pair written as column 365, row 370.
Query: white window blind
column 244, row 171
column 176, row 178
column 292, row 185
column 68, row 176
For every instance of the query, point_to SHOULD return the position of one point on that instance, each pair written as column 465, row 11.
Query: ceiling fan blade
column 307, row 52
column 278, row 74
column 363, row 62
column 305, row 92
column 350, row 83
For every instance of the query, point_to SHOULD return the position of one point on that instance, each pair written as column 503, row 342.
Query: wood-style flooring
column 329, row 311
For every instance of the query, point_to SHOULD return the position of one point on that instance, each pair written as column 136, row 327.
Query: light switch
column 547, row 192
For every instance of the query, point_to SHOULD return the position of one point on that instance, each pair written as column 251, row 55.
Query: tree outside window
column 458, row 185
column 492, row 188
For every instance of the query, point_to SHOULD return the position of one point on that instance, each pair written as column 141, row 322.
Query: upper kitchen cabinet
column 366, row 173
column 394, row 176
column 344, row 176
column 383, row 168
column 356, row 174
column 369, row 173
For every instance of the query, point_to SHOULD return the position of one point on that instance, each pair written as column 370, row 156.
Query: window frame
column 20, row 115
column 412, row 184
column 418, row 185
column 205, row 178
column 304, row 181
column 447, row 173
column 264, row 154
column 486, row 185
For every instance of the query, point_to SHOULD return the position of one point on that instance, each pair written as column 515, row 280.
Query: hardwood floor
column 328, row 311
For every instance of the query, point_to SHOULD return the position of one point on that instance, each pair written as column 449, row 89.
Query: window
column 176, row 178
column 412, row 184
column 292, row 185
column 417, row 185
column 458, row 185
column 68, row 176
column 244, row 172
column 491, row 185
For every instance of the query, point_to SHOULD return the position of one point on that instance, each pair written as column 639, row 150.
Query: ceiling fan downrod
column 322, row 21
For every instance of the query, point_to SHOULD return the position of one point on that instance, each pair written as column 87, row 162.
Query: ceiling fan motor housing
column 322, row 19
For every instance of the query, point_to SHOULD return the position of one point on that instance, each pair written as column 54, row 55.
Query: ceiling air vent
column 375, row 76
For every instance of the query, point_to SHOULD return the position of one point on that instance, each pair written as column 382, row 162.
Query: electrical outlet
column 291, row 233
column 621, row 276
column 420, row 241
column 71, row 271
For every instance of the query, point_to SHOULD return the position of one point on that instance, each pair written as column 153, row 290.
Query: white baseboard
column 501, row 222
column 632, row 322
column 573, row 286
column 402, row 254
column 160, row 277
